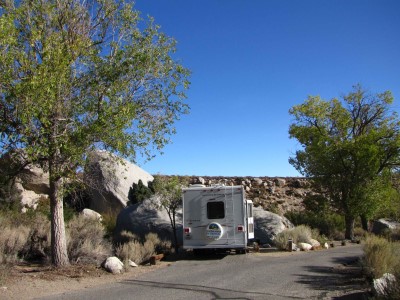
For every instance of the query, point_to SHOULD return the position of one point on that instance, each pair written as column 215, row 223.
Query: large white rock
column 113, row 265
column 30, row 182
column 304, row 246
column 381, row 285
column 146, row 217
column 109, row 179
column 314, row 243
column 381, row 225
column 91, row 214
column 33, row 178
column 268, row 225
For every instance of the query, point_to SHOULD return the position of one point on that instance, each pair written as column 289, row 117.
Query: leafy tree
column 78, row 75
column 139, row 192
column 349, row 148
column 169, row 189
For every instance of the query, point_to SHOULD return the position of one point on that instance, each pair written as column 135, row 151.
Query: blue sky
column 251, row 61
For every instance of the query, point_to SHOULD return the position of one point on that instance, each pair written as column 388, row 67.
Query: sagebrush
column 86, row 240
column 139, row 252
column 299, row 234
column 383, row 256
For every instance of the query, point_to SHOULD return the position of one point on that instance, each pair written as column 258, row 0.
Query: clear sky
column 251, row 61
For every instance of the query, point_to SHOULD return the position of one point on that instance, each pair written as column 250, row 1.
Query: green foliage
column 80, row 75
column 138, row 193
column 349, row 148
column 328, row 224
column 109, row 221
column 88, row 68
column 169, row 190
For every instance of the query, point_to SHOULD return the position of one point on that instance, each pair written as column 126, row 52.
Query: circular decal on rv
column 214, row 231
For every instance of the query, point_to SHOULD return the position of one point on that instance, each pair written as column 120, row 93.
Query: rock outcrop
column 275, row 194
column 27, row 183
column 148, row 216
column 268, row 225
column 109, row 179
column 382, row 225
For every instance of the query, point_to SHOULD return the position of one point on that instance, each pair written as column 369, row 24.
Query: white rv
column 217, row 218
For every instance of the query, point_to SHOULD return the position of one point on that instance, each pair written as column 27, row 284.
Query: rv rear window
column 215, row 210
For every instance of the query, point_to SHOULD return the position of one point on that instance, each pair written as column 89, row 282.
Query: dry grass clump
column 124, row 237
column 382, row 256
column 299, row 234
column 24, row 240
column 137, row 251
column 85, row 240
column 12, row 243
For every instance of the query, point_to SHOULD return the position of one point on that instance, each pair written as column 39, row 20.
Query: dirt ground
column 29, row 281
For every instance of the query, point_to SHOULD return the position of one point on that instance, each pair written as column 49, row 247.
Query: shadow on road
column 346, row 277
column 202, row 256
column 213, row 292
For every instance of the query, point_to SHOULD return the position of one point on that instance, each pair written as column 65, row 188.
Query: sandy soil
column 32, row 281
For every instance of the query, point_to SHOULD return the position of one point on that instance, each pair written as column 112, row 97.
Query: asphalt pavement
column 324, row 274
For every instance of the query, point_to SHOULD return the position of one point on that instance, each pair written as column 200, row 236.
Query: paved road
column 300, row 275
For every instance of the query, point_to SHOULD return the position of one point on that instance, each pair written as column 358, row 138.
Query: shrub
column 381, row 256
column 24, row 237
column 135, row 250
column 12, row 242
column 109, row 221
column 299, row 234
column 38, row 243
column 139, row 192
column 124, row 237
column 85, row 240
column 328, row 224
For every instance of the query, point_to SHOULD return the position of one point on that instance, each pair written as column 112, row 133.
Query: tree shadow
column 213, row 292
column 346, row 276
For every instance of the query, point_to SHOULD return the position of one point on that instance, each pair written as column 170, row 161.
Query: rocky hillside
column 275, row 194
column 109, row 180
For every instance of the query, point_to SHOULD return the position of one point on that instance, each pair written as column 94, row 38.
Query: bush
column 12, row 242
column 381, row 256
column 299, row 234
column 136, row 251
column 109, row 221
column 328, row 224
column 85, row 240
column 139, row 192
column 24, row 238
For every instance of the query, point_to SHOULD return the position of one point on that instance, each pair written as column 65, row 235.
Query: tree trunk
column 174, row 230
column 350, row 220
column 59, row 254
column 364, row 222
column 171, row 214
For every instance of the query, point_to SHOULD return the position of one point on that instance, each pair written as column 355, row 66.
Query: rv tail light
column 240, row 228
column 187, row 230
